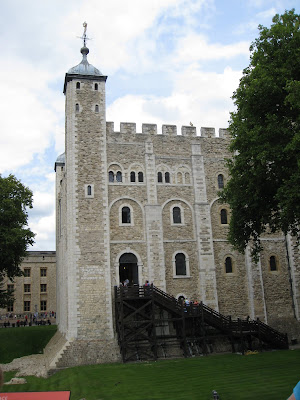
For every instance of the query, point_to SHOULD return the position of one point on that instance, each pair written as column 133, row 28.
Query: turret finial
column 84, row 37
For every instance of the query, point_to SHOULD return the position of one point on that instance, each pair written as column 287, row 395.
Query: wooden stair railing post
column 184, row 343
column 231, row 334
column 203, row 329
column 259, row 334
column 240, row 328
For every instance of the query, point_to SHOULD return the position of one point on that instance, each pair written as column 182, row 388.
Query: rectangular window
column 10, row 307
column 26, row 305
column 10, row 288
column 27, row 272
column 43, row 305
column 26, row 287
column 43, row 271
column 43, row 288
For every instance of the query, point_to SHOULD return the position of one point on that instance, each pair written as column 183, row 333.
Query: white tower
column 84, row 288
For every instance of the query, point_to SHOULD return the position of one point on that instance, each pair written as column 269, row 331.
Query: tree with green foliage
column 264, row 186
column 15, row 235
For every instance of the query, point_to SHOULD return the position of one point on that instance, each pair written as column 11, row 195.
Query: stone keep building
column 144, row 205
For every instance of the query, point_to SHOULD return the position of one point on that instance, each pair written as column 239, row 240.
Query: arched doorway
column 128, row 268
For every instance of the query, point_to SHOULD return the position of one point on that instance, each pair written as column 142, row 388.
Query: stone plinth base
column 84, row 352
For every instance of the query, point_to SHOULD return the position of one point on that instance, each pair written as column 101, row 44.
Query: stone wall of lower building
column 36, row 291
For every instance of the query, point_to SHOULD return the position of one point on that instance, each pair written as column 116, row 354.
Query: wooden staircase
column 149, row 321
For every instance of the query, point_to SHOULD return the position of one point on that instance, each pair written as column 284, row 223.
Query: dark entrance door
column 128, row 268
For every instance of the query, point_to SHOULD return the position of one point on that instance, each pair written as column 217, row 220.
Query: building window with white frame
column 220, row 181
column 89, row 191
column 176, row 215
column 180, row 265
column 167, row 177
column 140, row 177
column 119, row 176
column 111, row 176
column 224, row 218
column 126, row 215
column 132, row 176
column 228, row 265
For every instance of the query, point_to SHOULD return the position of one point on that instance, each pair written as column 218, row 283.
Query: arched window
column 179, row 177
column 126, row 219
column 224, row 216
column 273, row 264
column 180, row 264
column 167, row 177
column 96, row 86
column 96, row 108
column 159, row 177
column 119, row 176
column 228, row 265
column 77, row 85
column 141, row 177
column 77, row 107
column 89, row 190
column 187, row 178
column 132, row 176
column 220, row 181
column 111, row 176
column 176, row 215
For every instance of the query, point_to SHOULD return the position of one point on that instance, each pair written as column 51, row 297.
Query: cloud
column 45, row 233
column 197, row 96
column 27, row 119
column 195, row 47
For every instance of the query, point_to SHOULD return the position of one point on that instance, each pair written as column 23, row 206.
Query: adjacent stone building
column 144, row 205
column 36, row 290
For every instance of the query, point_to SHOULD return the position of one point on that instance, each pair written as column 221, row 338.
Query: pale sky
column 167, row 62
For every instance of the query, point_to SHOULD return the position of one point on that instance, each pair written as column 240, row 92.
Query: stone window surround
column 217, row 180
column 233, row 273
column 114, row 168
column 43, row 272
column 183, row 173
column 224, row 207
column 181, row 215
column 131, row 215
column 27, row 272
column 26, row 306
column 187, row 265
column 277, row 264
column 27, row 288
column 43, row 305
column 42, row 287
column 86, row 195
column 136, row 172
column 163, row 169
column 139, row 264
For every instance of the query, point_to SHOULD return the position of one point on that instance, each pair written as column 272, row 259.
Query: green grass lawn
column 270, row 375
column 19, row 342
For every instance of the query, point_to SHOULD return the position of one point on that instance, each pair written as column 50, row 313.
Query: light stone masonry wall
column 95, row 184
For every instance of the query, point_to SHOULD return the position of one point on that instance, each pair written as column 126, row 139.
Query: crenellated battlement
column 166, row 130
